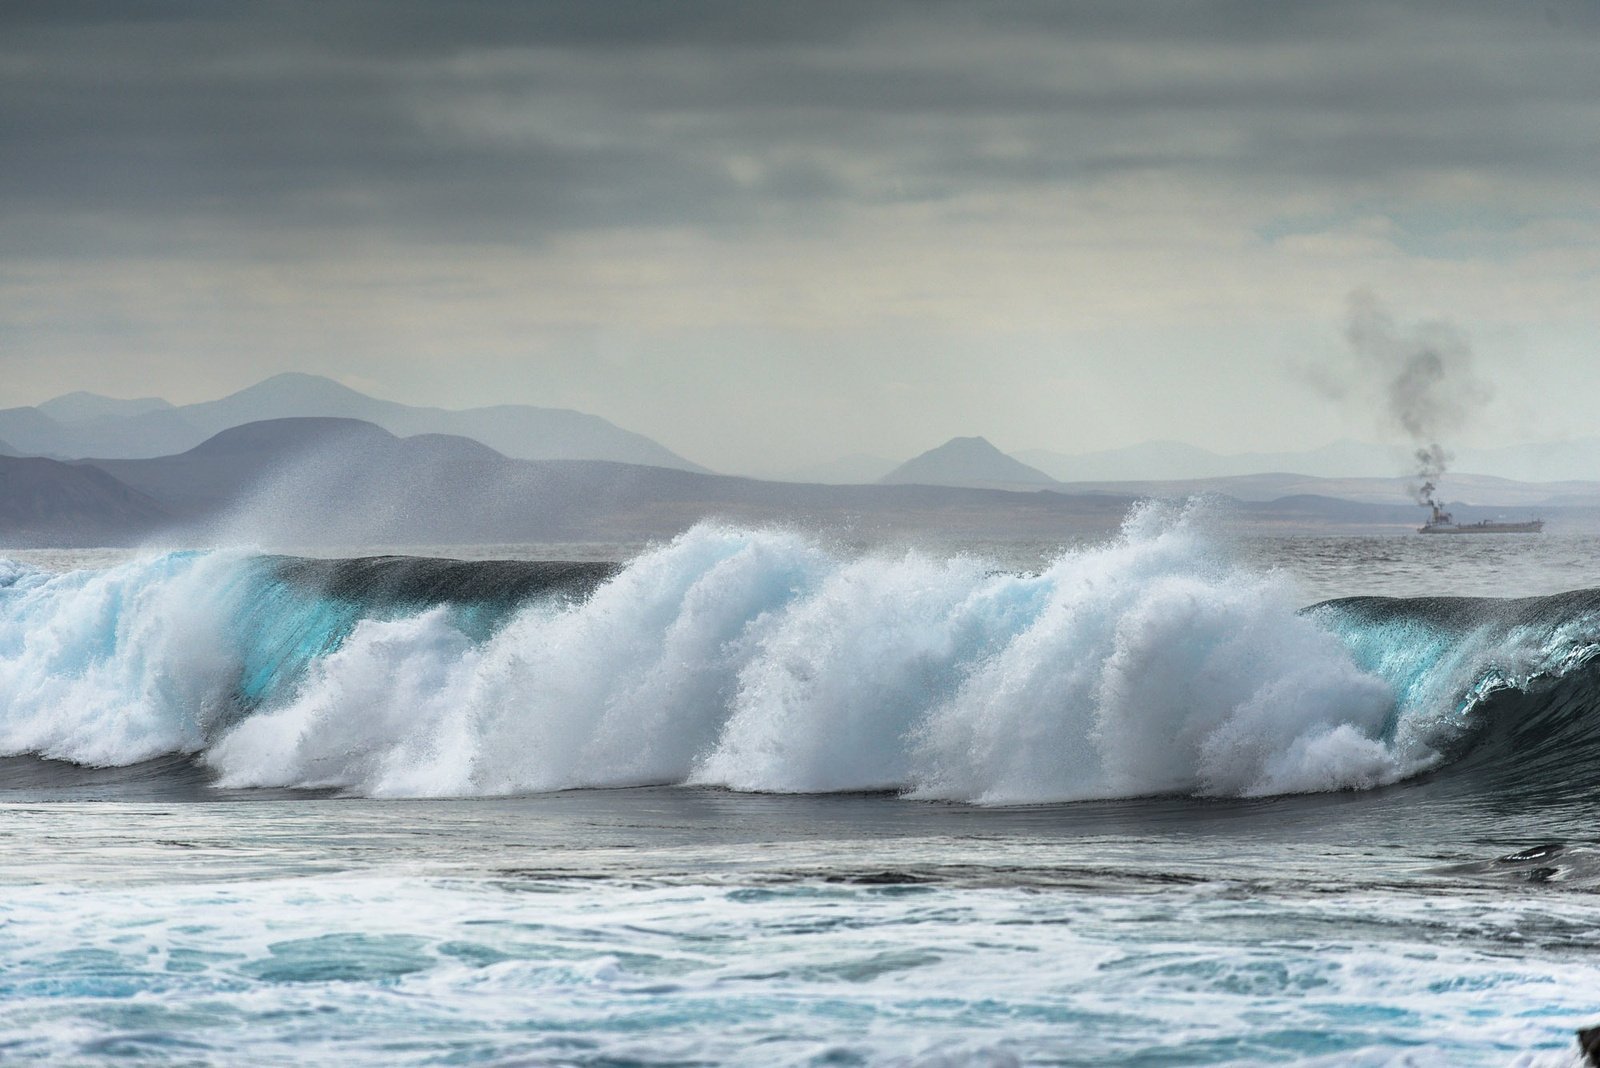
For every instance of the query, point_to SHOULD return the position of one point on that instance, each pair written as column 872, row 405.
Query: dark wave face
column 759, row 660
column 1514, row 683
column 410, row 581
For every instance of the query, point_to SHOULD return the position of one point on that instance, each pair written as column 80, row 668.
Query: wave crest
column 760, row 660
column 757, row 660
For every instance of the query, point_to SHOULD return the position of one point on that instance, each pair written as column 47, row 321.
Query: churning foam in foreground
column 755, row 660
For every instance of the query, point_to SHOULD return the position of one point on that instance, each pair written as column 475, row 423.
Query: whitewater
column 745, row 659
column 755, row 796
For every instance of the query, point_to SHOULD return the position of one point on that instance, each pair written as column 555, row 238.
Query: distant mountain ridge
column 325, row 481
column 47, row 502
column 79, row 425
column 967, row 462
column 346, row 483
column 197, row 481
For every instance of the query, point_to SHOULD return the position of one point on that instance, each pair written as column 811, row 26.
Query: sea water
column 757, row 797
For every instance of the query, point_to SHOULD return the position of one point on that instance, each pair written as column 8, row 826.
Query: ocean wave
column 761, row 660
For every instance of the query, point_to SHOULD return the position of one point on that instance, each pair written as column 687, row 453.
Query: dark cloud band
column 510, row 121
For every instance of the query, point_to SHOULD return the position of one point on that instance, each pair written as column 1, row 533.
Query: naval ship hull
column 1484, row 527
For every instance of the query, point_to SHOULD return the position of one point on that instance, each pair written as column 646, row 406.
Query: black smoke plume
column 1420, row 376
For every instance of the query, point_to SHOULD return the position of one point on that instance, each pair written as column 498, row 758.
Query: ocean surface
column 757, row 797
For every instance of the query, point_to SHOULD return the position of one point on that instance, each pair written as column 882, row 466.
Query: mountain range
column 49, row 503
column 341, row 482
column 86, row 424
column 215, row 472
column 974, row 462
column 321, row 481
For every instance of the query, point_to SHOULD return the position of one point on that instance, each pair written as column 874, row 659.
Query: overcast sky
column 771, row 235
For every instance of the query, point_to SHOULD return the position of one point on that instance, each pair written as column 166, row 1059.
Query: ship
column 1441, row 522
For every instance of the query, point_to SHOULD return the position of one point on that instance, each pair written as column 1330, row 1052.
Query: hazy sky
column 769, row 235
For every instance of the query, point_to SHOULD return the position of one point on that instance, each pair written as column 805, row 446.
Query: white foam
column 114, row 666
column 623, row 689
column 388, row 968
column 758, row 661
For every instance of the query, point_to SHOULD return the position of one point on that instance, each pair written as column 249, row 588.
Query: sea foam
column 758, row 660
column 115, row 666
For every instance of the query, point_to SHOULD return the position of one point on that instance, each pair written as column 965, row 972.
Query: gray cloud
column 508, row 122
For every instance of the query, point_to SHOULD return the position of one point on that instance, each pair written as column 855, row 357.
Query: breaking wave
column 763, row 661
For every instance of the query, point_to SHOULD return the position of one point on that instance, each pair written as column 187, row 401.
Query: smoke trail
column 1431, row 463
column 1423, row 377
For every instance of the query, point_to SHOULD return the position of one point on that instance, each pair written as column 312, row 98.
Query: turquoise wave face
column 279, row 629
column 282, row 613
column 159, row 656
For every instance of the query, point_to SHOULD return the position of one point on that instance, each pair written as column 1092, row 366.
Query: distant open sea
column 755, row 797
